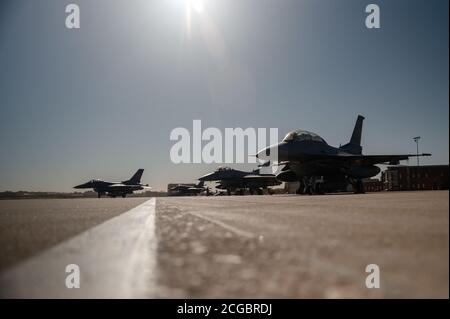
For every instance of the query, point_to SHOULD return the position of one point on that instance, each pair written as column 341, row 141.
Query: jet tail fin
column 136, row 178
column 354, row 146
column 201, row 184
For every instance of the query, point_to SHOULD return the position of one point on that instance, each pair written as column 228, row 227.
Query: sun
column 194, row 10
column 196, row 5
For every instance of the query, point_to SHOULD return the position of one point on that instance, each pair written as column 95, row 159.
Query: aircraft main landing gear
column 301, row 188
column 359, row 187
column 318, row 188
column 308, row 185
column 311, row 186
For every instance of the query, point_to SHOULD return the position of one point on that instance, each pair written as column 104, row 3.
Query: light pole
column 416, row 139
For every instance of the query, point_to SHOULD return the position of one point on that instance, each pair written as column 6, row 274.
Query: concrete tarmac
column 304, row 246
column 30, row 226
column 240, row 246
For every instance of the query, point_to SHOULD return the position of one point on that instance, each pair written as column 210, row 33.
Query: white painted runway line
column 117, row 259
column 237, row 231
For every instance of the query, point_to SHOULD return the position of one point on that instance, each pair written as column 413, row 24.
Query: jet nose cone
column 268, row 153
column 263, row 153
column 273, row 153
column 84, row 185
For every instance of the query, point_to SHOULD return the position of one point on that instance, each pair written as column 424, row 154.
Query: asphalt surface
column 231, row 247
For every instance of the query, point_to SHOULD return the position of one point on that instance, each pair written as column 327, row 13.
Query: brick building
column 373, row 185
column 426, row 177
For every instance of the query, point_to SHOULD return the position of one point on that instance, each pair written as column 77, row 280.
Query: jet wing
column 118, row 186
column 383, row 159
column 183, row 187
column 259, row 177
column 362, row 159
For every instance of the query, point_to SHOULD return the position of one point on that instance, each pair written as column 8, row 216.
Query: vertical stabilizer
column 136, row 178
column 201, row 184
column 354, row 146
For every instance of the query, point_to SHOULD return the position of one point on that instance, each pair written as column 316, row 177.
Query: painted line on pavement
column 117, row 259
column 237, row 231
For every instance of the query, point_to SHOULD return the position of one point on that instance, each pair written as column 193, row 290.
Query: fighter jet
column 319, row 167
column 236, row 181
column 186, row 189
column 114, row 189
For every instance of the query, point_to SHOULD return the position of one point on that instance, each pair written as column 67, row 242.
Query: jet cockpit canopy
column 301, row 135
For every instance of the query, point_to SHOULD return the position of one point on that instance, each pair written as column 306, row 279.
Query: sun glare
column 197, row 5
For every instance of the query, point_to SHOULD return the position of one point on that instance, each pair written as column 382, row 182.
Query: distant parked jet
column 186, row 189
column 233, row 180
column 114, row 189
column 319, row 167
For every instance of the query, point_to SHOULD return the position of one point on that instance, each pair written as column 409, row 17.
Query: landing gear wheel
column 301, row 189
column 319, row 189
column 359, row 187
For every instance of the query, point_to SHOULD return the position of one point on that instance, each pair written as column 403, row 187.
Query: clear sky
column 101, row 101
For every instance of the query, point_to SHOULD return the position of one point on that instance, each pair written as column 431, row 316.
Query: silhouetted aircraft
column 186, row 189
column 319, row 167
column 233, row 180
column 114, row 189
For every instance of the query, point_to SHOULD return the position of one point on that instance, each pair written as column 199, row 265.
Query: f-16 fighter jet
column 114, row 189
column 236, row 181
column 319, row 167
